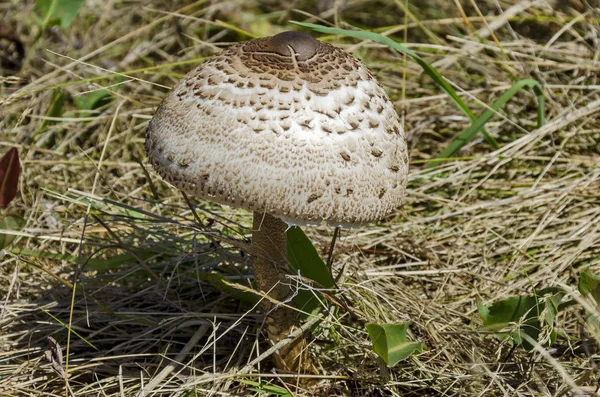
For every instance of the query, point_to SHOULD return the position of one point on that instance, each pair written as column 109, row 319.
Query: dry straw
column 484, row 225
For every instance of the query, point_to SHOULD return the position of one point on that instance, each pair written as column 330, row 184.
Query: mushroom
column 296, row 130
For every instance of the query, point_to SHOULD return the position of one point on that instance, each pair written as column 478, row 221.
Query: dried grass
column 486, row 225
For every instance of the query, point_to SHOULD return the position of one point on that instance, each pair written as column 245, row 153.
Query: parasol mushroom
column 296, row 130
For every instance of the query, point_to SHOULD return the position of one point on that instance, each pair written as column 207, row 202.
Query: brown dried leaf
column 10, row 169
column 55, row 357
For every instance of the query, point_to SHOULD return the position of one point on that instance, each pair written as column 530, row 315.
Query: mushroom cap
column 285, row 125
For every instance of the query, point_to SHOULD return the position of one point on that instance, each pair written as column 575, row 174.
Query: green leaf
column 305, row 259
column 99, row 97
column 12, row 223
column 589, row 284
column 552, row 303
column 427, row 68
column 518, row 315
column 57, row 12
column 552, row 306
column 56, row 104
column 389, row 342
column 484, row 311
column 507, row 311
column 54, row 110
column 92, row 100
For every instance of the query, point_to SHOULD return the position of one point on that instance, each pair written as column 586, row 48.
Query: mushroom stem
column 270, row 262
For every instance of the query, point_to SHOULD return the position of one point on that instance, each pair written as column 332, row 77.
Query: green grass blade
column 429, row 70
column 235, row 290
column 90, row 344
column 478, row 124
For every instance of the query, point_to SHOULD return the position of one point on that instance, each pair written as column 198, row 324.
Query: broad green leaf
column 517, row 315
column 389, row 342
column 57, row 12
column 552, row 303
column 56, row 104
column 305, row 259
column 507, row 311
column 504, row 314
column 552, row 306
column 55, row 110
column 10, row 222
column 589, row 284
column 92, row 100
column 484, row 311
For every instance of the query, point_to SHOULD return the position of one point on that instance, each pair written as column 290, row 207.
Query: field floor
column 110, row 285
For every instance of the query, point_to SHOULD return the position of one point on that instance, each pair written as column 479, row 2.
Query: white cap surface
column 286, row 125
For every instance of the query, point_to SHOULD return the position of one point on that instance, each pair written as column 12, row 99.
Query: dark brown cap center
column 304, row 45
